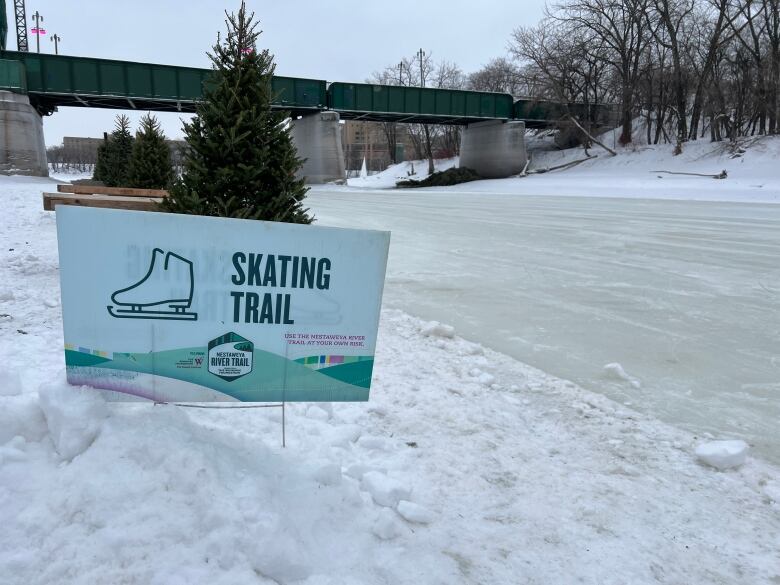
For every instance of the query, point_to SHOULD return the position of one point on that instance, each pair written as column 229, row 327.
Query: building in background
column 80, row 153
column 369, row 140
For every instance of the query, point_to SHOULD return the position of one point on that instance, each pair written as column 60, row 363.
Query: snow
column 415, row 513
column 752, row 175
column 73, row 417
column 386, row 526
column 436, row 329
column 615, row 371
column 531, row 479
column 69, row 175
column 723, row 454
column 10, row 382
column 413, row 169
column 385, row 491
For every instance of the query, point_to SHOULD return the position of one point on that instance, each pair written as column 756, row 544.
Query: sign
column 183, row 308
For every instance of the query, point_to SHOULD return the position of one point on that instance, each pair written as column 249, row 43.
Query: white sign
column 181, row 308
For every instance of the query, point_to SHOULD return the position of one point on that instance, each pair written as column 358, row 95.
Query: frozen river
column 685, row 295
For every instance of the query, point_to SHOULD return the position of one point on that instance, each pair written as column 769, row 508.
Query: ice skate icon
column 152, row 299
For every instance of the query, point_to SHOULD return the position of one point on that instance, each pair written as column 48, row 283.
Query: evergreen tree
column 114, row 155
column 150, row 161
column 240, row 160
column 100, row 164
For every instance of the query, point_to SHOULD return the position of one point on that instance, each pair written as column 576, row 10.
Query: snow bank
column 436, row 329
column 21, row 416
column 723, row 454
column 414, row 512
column 10, row 382
column 384, row 490
column 73, row 416
column 412, row 169
column 752, row 173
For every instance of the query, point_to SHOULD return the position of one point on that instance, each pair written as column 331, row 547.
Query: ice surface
column 683, row 294
column 723, row 454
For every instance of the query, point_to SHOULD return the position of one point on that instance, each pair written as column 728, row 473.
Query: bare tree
column 389, row 76
column 667, row 24
column 621, row 25
column 500, row 75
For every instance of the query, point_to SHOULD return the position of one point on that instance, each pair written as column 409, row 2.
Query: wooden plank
column 51, row 200
column 121, row 191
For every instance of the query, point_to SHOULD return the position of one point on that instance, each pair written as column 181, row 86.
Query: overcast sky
column 338, row 41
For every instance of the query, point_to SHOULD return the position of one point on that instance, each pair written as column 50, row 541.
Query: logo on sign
column 230, row 356
column 152, row 297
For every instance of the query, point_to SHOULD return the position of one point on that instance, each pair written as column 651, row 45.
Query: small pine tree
column 116, row 155
column 150, row 161
column 240, row 161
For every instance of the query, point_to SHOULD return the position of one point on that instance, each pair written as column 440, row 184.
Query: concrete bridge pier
column 494, row 149
column 22, row 148
column 318, row 140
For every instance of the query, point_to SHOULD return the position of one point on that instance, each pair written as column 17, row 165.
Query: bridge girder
column 20, row 14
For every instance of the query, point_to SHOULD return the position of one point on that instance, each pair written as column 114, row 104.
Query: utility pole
column 421, row 55
column 401, row 73
column 38, row 20
column 56, row 38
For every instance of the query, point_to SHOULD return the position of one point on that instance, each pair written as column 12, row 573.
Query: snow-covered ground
column 69, row 175
column 752, row 175
column 409, row 170
column 466, row 466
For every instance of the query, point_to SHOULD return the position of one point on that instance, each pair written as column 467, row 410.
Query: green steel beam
column 12, row 76
column 385, row 103
column 61, row 80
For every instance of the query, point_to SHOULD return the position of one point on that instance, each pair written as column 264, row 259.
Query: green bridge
column 51, row 81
